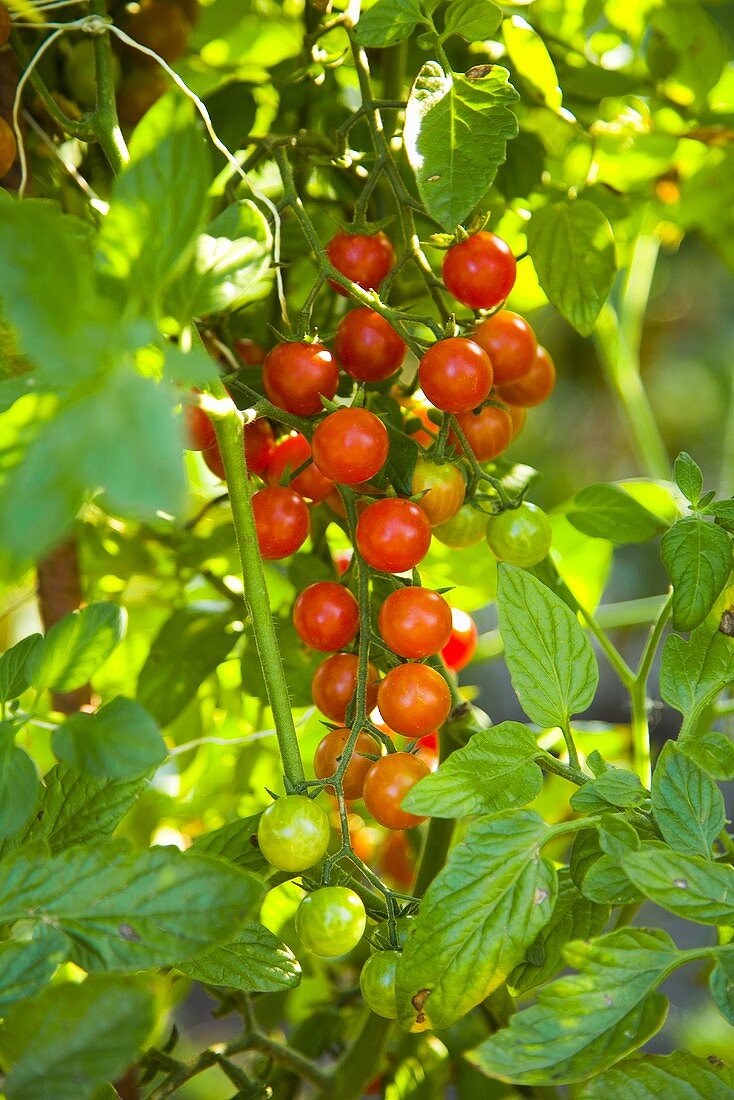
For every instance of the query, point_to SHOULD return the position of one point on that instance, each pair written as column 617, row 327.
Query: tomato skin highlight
column 488, row 431
column 387, row 782
column 350, row 446
column 455, row 374
column 290, row 453
column 293, row 833
column 365, row 260
column 510, row 343
column 331, row 921
column 534, row 387
column 281, row 520
column 326, row 616
column 443, row 486
column 480, row 272
column 462, row 643
column 367, row 346
column 414, row 700
column 415, row 622
column 466, row 528
column 334, row 684
column 377, row 983
column 297, row 375
column 520, row 536
column 330, row 748
column 393, row 535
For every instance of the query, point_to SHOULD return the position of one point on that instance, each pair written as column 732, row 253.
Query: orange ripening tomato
column 462, row 643
column 386, row 784
column 329, row 754
column 443, row 488
column 414, row 700
column 488, row 431
column 534, row 387
column 335, row 682
column 455, row 374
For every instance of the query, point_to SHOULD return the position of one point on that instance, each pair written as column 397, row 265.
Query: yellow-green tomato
column 520, row 536
column 293, row 833
column 331, row 921
column 377, row 983
column 443, row 488
column 464, row 529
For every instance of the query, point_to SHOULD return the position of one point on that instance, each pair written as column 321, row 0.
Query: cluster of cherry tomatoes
column 486, row 381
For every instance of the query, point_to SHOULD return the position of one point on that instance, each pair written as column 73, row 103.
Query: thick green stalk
column 104, row 120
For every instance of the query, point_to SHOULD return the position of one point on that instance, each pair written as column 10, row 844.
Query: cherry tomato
column 427, row 751
column 520, row 536
column 414, row 700
column 289, row 454
column 393, row 535
column 415, row 622
column 334, row 684
column 5, row 25
column 80, row 74
column 443, row 487
column 139, row 90
column 488, row 431
column 160, row 26
column 396, row 861
column 518, row 416
column 510, row 343
column 249, row 352
column 455, row 374
column 377, row 983
column 480, row 272
column 331, row 921
column 293, row 833
column 281, row 521
column 8, row 148
column 296, row 375
column 342, row 560
column 259, row 443
column 328, row 757
column 364, row 260
column 386, row 785
column 367, row 346
column 200, row 434
column 466, row 528
column 534, row 387
column 326, row 616
column 462, row 643
column 350, row 446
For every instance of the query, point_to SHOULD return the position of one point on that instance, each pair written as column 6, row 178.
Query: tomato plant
column 290, row 504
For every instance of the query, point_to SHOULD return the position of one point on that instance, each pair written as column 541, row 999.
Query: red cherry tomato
column 415, row 622
column 200, row 434
column 326, row 616
column 393, row 535
column 488, row 431
column 334, row 684
column 510, row 343
column 350, row 446
column 329, row 754
column 396, row 861
column 414, row 700
column 462, row 643
column 259, row 443
column 296, row 376
column 386, row 785
column 281, row 521
column 480, row 272
column 367, row 346
column 342, row 560
column 443, row 489
column 248, row 352
column 364, row 260
column 534, row 387
column 455, row 374
column 427, row 751
column 289, row 454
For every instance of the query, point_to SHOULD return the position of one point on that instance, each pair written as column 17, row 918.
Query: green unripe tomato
column 293, row 833
column 377, row 983
column 520, row 536
column 80, row 73
column 331, row 921
column 464, row 529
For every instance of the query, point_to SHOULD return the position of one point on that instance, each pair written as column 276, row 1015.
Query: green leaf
column 686, row 52
column 574, row 917
column 713, row 751
column 388, row 22
column 687, row 805
column 495, row 771
column 688, row 477
column 689, row 886
column 74, row 1037
column 27, row 967
column 531, row 61
column 456, row 132
column 572, row 248
column 401, row 459
column 120, row 741
column 550, row 659
column 614, row 787
column 693, row 672
column 606, row 883
column 677, row 1076
column 232, row 109
column 500, row 893
column 608, row 512
column 186, row 650
column 721, row 984
column 13, row 679
column 18, row 783
column 698, row 559
column 236, row 842
column 126, row 912
column 254, row 960
column 76, row 647
column 584, row 1023
column 474, row 20
column 617, row 836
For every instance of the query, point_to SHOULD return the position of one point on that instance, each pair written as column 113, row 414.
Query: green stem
column 612, row 654
column 74, row 127
column 556, row 767
column 229, row 429
column 638, row 695
column 573, row 756
column 104, row 119
column 438, row 836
